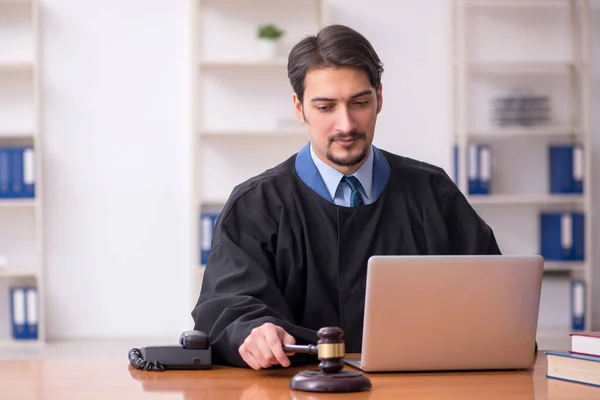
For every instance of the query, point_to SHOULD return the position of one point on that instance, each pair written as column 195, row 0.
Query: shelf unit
column 21, row 219
column 541, row 45
column 242, row 119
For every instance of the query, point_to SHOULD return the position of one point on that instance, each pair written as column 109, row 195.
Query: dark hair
column 334, row 46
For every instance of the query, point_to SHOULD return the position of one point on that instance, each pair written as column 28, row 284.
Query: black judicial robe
column 281, row 253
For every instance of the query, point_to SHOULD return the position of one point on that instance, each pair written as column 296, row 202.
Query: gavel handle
column 295, row 348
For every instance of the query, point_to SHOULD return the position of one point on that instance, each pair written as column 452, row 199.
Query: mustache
column 345, row 136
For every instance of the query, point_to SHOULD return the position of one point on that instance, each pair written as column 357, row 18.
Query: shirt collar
column 332, row 176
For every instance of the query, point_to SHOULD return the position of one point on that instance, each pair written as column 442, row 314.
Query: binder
column 28, row 167
column 562, row 236
column 578, row 253
column 566, row 169
column 578, row 305
column 5, row 174
column 208, row 220
column 32, row 313
column 456, row 163
column 473, row 170
column 16, row 173
column 480, row 169
column 485, row 169
column 18, row 312
column 24, row 312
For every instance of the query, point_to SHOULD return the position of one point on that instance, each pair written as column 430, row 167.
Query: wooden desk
column 110, row 378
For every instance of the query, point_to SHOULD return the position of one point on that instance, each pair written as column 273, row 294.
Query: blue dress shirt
column 325, row 180
column 341, row 193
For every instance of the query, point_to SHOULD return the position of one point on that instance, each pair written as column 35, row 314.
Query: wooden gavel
column 330, row 349
column 331, row 376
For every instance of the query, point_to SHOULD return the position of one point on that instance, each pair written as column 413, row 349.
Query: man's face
column 340, row 109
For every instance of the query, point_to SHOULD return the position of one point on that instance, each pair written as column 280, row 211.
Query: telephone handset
column 193, row 352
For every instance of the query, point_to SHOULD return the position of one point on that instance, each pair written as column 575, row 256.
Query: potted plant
column 269, row 35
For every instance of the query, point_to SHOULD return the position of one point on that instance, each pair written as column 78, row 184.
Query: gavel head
column 331, row 349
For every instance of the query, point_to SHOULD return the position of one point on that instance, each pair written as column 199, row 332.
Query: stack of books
column 581, row 364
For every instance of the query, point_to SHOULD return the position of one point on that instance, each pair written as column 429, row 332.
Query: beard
column 349, row 160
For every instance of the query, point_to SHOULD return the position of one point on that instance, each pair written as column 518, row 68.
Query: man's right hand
column 263, row 348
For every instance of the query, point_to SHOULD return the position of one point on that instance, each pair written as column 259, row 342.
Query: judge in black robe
column 284, row 252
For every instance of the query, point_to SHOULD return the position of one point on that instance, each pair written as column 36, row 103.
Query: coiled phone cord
column 137, row 361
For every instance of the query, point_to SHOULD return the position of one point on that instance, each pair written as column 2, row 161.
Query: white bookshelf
column 242, row 119
column 21, row 220
column 18, row 203
column 515, row 3
column 216, row 64
column 541, row 45
column 527, row 199
column 498, row 67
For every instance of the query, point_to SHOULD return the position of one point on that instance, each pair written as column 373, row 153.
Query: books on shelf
column 17, row 177
column 24, row 312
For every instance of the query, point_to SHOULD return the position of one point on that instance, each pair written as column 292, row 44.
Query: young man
column 290, row 248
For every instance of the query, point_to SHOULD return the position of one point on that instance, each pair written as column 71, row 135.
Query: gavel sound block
column 330, row 377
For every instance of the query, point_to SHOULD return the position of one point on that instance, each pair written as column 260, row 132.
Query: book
column 572, row 367
column 585, row 343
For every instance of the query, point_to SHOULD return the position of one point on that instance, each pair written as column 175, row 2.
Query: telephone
column 193, row 352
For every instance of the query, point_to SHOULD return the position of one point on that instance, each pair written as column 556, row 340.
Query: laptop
column 441, row 313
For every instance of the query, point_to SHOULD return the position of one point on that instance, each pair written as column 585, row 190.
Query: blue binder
column 578, row 253
column 562, row 236
column 485, row 168
column 456, row 163
column 566, row 169
column 480, row 169
column 578, row 305
column 16, row 173
column 5, row 173
column 18, row 312
column 24, row 312
column 28, row 166
column 22, row 172
column 208, row 219
column 32, row 316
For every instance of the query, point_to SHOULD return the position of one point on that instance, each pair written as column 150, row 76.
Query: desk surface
column 113, row 378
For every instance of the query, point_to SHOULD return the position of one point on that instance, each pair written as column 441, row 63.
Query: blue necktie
column 355, row 196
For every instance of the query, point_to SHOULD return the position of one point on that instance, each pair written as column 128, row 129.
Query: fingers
column 249, row 358
column 275, row 343
column 252, row 353
column 288, row 339
column 263, row 348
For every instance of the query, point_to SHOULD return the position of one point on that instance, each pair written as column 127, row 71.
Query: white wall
column 116, row 167
column 595, row 126
column 412, row 39
column 116, row 158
